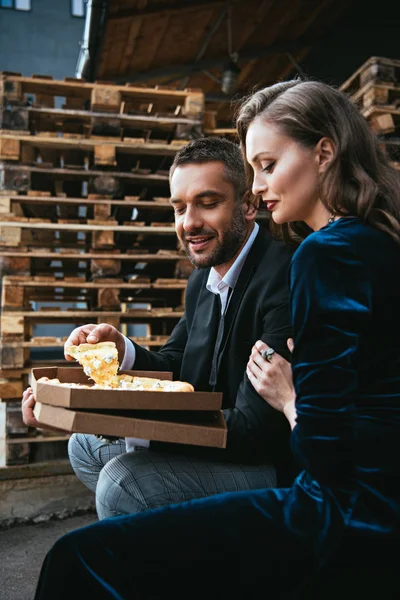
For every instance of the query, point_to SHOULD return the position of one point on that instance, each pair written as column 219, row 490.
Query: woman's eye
column 269, row 167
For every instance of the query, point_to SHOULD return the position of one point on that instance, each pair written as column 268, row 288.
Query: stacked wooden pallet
column 213, row 128
column 375, row 89
column 86, row 231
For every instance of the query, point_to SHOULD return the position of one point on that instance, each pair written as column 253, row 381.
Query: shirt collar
column 216, row 283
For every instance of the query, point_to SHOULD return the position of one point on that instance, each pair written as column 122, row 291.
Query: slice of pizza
column 99, row 361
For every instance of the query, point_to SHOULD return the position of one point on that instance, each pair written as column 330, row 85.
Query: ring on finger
column 267, row 354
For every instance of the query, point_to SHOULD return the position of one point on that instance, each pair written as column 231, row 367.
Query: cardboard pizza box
column 199, row 429
column 86, row 398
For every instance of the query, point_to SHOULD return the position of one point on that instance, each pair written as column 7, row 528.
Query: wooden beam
column 128, row 146
column 167, row 9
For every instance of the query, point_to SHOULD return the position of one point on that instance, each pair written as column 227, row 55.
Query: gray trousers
column 131, row 482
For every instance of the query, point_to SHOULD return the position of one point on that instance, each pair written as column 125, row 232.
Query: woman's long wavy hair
column 360, row 181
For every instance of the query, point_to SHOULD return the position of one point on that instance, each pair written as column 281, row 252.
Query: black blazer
column 258, row 309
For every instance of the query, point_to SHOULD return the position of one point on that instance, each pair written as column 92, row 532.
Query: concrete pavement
column 22, row 550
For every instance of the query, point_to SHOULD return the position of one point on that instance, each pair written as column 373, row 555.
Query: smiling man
column 240, row 277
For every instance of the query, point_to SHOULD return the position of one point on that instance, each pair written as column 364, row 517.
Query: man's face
column 209, row 220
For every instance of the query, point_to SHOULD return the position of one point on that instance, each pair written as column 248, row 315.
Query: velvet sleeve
column 331, row 302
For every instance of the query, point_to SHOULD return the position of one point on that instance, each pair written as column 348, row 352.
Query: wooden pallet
column 16, row 178
column 43, row 119
column 94, row 265
column 383, row 119
column 376, row 70
column 373, row 94
column 99, row 96
column 95, row 234
column 102, row 151
column 23, row 292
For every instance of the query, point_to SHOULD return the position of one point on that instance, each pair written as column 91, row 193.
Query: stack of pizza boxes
column 99, row 399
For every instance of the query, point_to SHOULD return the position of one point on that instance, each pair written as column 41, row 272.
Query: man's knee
column 77, row 447
column 117, row 491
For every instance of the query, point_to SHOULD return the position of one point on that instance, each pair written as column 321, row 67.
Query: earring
column 331, row 219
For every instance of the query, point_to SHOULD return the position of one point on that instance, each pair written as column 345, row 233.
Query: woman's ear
column 250, row 205
column 325, row 153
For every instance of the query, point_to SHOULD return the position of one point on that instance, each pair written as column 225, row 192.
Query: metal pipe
column 86, row 60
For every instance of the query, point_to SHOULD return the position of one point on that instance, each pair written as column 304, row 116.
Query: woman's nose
column 259, row 184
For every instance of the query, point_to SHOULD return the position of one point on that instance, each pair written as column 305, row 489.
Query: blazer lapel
column 252, row 261
column 203, row 329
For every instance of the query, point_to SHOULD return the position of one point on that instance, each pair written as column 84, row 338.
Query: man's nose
column 192, row 219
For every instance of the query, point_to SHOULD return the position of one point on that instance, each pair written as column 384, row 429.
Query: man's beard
column 225, row 249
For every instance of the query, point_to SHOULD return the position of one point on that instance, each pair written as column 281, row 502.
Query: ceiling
column 187, row 44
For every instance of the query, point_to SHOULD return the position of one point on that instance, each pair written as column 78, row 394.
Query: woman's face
column 286, row 175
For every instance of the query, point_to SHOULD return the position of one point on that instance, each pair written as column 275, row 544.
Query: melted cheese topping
column 127, row 382
column 99, row 362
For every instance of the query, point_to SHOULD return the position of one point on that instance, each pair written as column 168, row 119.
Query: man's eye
column 269, row 167
column 210, row 205
column 179, row 210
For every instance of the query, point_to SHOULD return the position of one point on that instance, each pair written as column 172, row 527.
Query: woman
column 315, row 161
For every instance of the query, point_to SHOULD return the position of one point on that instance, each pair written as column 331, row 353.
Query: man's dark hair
column 220, row 150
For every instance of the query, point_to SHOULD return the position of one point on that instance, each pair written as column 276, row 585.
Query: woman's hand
column 272, row 379
column 27, row 406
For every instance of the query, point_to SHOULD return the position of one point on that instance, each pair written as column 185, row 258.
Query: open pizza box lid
column 193, row 428
column 86, row 398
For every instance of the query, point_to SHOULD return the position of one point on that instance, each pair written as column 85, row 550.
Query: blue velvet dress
column 335, row 532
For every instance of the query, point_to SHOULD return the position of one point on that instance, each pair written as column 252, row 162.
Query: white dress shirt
column 216, row 285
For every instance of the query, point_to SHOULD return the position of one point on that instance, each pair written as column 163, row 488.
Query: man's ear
column 250, row 205
column 325, row 153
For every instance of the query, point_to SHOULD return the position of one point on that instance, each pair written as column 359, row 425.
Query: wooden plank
column 43, row 315
column 105, row 155
column 108, row 298
column 69, row 254
column 90, row 227
column 10, row 145
column 34, row 470
column 14, row 118
column 101, row 267
column 10, row 388
column 194, row 105
column 5, row 206
column 136, row 282
column 14, row 423
column 3, row 445
column 138, row 121
column 10, row 148
column 18, row 178
column 383, row 123
column 11, row 324
column 10, row 89
column 12, row 297
column 14, row 264
column 9, row 236
column 17, row 454
column 101, row 212
column 105, row 98
column 102, row 238
column 79, row 88
column 11, row 357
